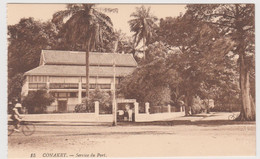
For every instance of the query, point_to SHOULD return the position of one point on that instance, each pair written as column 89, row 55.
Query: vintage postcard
column 88, row 80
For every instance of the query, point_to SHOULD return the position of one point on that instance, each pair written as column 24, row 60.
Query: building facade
column 63, row 74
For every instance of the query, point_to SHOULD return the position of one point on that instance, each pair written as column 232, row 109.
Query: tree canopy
column 143, row 25
column 206, row 53
column 236, row 21
column 25, row 42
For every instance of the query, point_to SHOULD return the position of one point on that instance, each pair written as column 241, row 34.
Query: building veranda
column 63, row 74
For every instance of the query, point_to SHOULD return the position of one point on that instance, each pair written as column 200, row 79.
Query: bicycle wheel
column 10, row 129
column 231, row 117
column 28, row 129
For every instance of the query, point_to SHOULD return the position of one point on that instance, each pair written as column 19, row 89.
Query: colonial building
column 63, row 74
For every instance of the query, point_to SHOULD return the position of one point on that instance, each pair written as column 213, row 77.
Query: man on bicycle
column 16, row 115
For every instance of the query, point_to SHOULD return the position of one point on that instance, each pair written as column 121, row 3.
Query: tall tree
column 25, row 42
column 197, row 43
column 85, row 25
column 151, row 80
column 238, row 22
column 142, row 24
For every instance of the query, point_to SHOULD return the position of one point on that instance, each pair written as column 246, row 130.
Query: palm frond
column 61, row 15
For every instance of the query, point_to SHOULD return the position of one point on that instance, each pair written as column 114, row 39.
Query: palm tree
column 85, row 25
column 143, row 24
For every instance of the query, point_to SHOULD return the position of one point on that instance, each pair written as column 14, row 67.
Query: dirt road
column 135, row 141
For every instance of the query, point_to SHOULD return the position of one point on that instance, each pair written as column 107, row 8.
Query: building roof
column 57, row 57
column 75, row 70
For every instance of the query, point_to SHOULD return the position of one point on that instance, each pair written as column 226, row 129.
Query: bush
column 197, row 105
column 104, row 99
column 226, row 108
column 37, row 102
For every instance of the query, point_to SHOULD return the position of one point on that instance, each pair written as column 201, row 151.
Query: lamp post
column 114, row 93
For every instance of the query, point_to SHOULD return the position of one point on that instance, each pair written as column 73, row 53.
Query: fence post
column 147, row 107
column 136, row 110
column 169, row 108
column 80, row 93
column 97, row 108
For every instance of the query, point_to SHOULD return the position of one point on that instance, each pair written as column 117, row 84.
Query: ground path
column 131, row 140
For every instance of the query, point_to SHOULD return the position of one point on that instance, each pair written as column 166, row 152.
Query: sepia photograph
column 97, row 80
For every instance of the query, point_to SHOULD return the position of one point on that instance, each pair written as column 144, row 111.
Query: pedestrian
column 130, row 114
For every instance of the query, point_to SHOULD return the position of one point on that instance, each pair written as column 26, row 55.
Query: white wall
column 158, row 116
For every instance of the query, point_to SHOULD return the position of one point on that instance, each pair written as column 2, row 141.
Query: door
column 62, row 106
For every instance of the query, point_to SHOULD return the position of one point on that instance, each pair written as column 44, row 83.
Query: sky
column 120, row 20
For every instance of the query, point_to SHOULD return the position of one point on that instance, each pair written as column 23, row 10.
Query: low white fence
column 166, row 114
column 69, row 117
column 97, row 117
column 158, row 116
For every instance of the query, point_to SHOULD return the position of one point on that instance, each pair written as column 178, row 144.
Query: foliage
column 103, row 97
column 142, row 24
column 202, row 63
column 25, row 42
column 237, row 21
column 226, row 107
column 124, row 44
column 83, row 22
column 150, row 81
column 15, row 84
column 37, row 102
column 197, row 105
column 85, row 27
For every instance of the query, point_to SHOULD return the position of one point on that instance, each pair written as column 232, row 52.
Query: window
column 105, row 86
column 39, row 78
column 73, row 94
column 30, row 78
column 37, row 86
column 62, row 95
column 94, row 86
column 91, row 86
column 83, row 85
column 83, row 94
column 63, row 85
column 34, row 78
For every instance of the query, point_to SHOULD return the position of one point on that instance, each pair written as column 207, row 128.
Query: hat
column 18, row 105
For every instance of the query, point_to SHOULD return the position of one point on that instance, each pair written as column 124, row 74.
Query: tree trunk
column 208, row 108
column 144, row 41
column 248, row 107
column 187, row 104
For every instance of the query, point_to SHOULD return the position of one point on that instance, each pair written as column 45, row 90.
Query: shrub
column 197, row 105
column 104, row 99
column 37, row 102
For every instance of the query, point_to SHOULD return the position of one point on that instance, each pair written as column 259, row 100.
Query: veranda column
column 25, row 88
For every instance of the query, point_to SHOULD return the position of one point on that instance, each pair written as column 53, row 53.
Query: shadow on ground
column 189, row 122
column 154, row 123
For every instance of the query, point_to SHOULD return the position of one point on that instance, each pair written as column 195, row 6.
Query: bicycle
column 232, row 116
column 27, row 128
